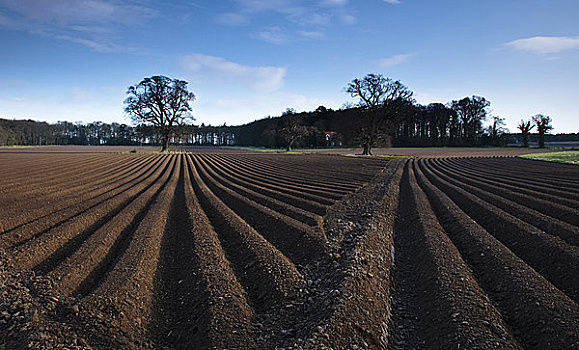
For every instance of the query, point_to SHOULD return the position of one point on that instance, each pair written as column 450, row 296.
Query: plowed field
column 260, row 251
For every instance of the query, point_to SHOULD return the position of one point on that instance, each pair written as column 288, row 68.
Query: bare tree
column 496, row 129
column 291, row 129
column 525, row 127
column 543, row 124
column 472, row 112
column 383, row 100
column 161, row 102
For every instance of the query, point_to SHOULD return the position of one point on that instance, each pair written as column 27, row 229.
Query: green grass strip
column 569, row 157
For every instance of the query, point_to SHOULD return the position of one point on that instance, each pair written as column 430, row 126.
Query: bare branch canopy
column 161, row 102
column 384, row 100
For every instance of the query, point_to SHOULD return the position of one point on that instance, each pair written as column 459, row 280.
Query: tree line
column 261, row 133
column 35, row 133
column 385, row 114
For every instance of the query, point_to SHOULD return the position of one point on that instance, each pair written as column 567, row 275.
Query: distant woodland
column 420, row 131
column 385, row 115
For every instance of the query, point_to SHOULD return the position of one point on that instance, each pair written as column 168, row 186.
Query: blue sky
column 246, row 59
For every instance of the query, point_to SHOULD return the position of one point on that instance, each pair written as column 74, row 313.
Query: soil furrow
column 551, row 225
column 294, row 174
column 228, row 249
column 300, row 202
column 62, row 196
column 527, row 170
column 352, row 171
column 83, row 260
column 269, row 277
column 52, row 182
column 257, row 181
column 539, row 315
column 198, row 301
column 518, row 191
column 39, row 175
column 436, row 301
column 34, row 251
column 281, row 207
column 483, row 171
column 98, row 168
column 551, row 256
column 296, row 240
column 26, row 232
column 36, row 222
column 302, row 167
column 128, row 288
column 299, row 184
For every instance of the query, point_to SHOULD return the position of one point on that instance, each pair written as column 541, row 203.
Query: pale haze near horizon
column 245, row 60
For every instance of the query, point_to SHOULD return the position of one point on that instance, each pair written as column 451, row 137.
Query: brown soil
column 436, row 152
column 237, row 249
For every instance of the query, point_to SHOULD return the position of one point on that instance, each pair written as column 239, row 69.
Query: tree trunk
column 165, row 145
column 289, row 145
column 366, row 151
column 541, row 140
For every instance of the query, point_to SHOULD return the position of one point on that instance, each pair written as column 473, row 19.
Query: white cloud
column 255, row 6
column 545, row 44
column 92, row 23
column 334, row 2
column 232, row 19
column 309, row 18
column 64, row 13
column 99, row 46
column 273, row 35
column 294, row 16
column 236, row 93
column 393, row 2
column 312, row 34
column 240, row 108
column 348, row 19
column 216, row 70
column 395, row 60
column 8, row 22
